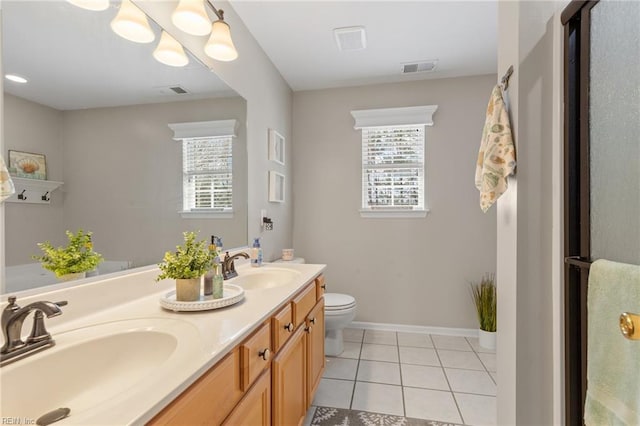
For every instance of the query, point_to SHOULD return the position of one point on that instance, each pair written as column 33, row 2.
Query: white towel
column 497, row 155
column 6, row 184
column 613, row 362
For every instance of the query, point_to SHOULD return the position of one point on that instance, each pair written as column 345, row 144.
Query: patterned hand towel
column 497, row 155
column 6, row 184
column 613, row 362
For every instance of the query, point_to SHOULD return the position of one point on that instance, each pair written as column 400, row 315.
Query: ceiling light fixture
column 15, row 78
column 220, row 46
column 170, row 52
column 191, row 17
column 95, row 5
column 131, row 23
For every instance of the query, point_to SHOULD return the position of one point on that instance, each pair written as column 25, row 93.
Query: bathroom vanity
column 120, row 358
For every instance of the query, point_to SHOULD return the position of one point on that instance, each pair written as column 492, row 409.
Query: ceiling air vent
column 350, row 38
column 178, row 90
column 424, row 66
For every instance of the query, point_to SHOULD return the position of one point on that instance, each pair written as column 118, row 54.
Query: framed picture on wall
column 276, row 147
column 276, row 187
column 27, row 165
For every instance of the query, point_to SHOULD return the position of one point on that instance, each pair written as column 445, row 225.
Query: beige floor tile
column 460, row 359
column 340, row 368
column 431, row 405
column 422, row 376
column 380, row 337
column 378, row 398
column 477, row 410
column 334, row 393
column 418, row 356
column 351, row 350
column 379, row 372
column 489, row 361
column 469, row 381
column 420, row 340
column 451, row 343
column 373, row 352
column 353, row 334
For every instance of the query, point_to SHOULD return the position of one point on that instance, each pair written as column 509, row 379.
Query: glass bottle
column 218, row 281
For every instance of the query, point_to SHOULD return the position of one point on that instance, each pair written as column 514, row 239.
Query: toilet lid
column 336, row 301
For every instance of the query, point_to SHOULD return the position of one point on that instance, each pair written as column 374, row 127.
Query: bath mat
column 326, row 416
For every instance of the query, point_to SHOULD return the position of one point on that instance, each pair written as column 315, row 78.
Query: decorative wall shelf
column 33, row 191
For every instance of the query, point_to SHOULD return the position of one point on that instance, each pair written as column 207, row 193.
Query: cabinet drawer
column 282, row 327
column 255, row 355
column 320, row 287
column 209, row 399
column 303, row 303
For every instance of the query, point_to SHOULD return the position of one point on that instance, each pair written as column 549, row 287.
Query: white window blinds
column 207, row 167
column 207, row 174
column 393, row 168
column 393, row 160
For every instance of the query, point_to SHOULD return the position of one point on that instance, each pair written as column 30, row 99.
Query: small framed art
column 276, row 187
column 276, row 147
column 27, row 165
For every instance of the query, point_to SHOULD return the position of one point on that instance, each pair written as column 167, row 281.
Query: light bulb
column 220, row 46
column 131, row 23
column 191, row 17
column 170, row 52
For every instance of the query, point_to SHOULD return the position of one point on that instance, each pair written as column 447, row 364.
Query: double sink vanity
column 120, row 358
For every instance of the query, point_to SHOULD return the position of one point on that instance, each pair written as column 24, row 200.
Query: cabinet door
column 255, row 407
column 315, row 348
column 289, row 384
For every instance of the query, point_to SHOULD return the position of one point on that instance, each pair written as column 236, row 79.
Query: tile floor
column 433, row 377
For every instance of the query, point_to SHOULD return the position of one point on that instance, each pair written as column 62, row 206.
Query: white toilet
column 339, row 311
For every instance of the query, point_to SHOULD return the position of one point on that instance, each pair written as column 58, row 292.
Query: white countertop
column 135, row 295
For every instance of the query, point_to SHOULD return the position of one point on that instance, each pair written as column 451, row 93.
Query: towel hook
column 505, row 79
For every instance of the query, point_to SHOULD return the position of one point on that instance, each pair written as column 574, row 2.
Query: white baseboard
column 445, row 331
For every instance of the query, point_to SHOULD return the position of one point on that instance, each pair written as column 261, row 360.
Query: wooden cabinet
column 209, row 399
column 269, row 378
column 289, row 384
column 315, row 348
column 255, row 407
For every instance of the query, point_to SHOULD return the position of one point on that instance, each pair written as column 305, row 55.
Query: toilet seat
column 338, row 302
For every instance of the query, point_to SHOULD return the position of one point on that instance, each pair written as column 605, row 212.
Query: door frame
column 576, row 19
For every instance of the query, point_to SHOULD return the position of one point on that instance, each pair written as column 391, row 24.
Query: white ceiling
column 298, row 37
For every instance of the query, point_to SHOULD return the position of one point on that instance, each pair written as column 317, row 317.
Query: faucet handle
column 61, row 303
column 38, row 331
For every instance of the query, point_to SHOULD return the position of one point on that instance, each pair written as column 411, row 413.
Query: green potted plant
column 485, row 300
column 72, row 261
column 187, row 266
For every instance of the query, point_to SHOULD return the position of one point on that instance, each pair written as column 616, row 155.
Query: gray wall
column 403, row 271
column 122, row 175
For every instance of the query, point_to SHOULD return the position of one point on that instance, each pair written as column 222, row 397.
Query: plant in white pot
column 187, row 266
column 485, row 300
column 72, row 261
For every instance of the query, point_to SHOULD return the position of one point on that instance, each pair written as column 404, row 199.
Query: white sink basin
column 264, row 278
column 91, row 365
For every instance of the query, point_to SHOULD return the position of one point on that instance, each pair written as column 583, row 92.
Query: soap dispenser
column 256, row 253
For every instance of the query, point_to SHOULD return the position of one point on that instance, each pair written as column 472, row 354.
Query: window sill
column 393, row 213
column 206, row 214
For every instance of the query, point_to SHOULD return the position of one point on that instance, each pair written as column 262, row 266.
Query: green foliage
column 77, row 256
column 191, row 260
column 485, row 299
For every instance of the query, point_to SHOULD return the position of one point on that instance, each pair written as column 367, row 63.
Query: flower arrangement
column 190, row 260
column 485, row 298
column 77, row 256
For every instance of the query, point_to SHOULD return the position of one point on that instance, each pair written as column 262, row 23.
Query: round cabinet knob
column 265, row 354
column 312, row 321
column 626, row 325
column 289, row 327
column 323, row 286
column 308, row 329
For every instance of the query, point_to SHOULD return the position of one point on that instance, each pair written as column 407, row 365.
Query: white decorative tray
column 230, row 294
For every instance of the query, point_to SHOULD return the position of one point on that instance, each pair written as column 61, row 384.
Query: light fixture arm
column 219, row 12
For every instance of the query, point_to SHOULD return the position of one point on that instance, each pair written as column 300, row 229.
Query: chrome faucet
column 13, row 317
column 228, row 267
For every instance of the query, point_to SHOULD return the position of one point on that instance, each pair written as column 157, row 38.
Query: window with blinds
column 207, row 174
column 393, row 168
